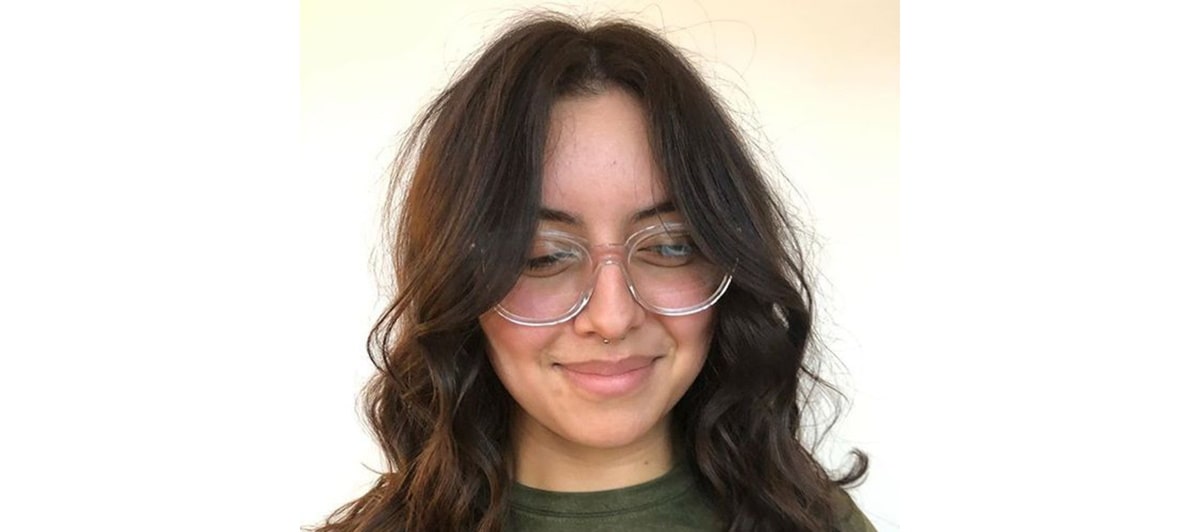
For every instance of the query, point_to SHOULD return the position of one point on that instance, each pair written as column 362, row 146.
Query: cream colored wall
column 816, row 83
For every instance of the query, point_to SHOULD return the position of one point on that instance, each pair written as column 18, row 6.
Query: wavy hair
column 464, row 195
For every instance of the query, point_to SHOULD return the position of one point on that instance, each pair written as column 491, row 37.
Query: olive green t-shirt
column 671, row 503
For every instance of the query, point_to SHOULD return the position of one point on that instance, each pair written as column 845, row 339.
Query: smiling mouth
column 609, row 368
column 605, row 378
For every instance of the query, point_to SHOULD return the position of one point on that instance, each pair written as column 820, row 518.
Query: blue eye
column 674, row 250
column 672, row 253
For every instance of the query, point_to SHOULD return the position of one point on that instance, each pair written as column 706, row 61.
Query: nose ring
column 606, row 340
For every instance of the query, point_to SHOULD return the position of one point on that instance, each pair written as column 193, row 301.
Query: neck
column 548, row 462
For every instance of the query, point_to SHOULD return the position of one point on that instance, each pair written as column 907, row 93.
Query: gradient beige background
column 814, row 83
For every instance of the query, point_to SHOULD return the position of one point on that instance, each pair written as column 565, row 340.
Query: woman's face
column 573, row 389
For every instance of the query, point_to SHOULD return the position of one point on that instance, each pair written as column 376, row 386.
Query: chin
column 607, row 440
column 610, row 433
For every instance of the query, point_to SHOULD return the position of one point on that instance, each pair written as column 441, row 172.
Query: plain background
column 816, row 86
column 183, row 287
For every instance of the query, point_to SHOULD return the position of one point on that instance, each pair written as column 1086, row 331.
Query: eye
column 674, row 250
column 667, row 250
column 549, row 258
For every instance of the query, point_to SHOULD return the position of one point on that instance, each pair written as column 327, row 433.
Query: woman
column 602, row 320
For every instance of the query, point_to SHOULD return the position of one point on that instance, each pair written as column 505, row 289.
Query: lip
column 609, row 378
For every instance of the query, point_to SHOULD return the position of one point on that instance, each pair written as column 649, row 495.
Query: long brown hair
column 466, row 188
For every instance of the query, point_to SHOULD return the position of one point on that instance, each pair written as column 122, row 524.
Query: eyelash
column 547, row 260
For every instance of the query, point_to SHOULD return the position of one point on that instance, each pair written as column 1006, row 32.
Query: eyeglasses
column 665, row 272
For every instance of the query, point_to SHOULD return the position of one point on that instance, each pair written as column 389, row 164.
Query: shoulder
column 850, row 518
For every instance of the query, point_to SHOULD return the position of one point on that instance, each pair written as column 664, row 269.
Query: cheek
column 510, row 345
column 692, row 336
column 702, row 332
column 693, row 332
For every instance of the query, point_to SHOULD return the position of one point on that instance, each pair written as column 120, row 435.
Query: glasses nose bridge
column 608, row 255
column 612, row 254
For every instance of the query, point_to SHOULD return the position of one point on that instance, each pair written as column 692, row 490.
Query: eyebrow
column 657, row 210
column 554, row 215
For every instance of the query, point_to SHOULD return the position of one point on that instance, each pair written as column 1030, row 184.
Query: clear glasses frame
column 621, row 260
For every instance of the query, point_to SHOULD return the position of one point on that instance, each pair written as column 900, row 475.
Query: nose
column 611, row 312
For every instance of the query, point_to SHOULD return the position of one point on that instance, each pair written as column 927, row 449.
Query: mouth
column 608, row 368
column 609, row 378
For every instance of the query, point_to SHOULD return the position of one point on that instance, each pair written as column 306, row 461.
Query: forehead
column 599, row 165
